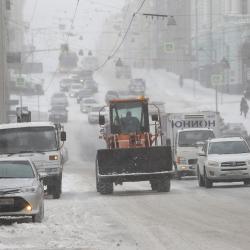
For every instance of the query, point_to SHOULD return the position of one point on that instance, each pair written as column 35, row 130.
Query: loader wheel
column 163, row 185
column 106, row 187
column 96, row 176
column 154, row 185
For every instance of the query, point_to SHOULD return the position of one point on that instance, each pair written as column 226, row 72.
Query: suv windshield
column 228, row 147
column 190, row 138
column 29, row 139
column 16, row 169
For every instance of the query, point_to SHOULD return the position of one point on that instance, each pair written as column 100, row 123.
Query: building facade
column 220, row 43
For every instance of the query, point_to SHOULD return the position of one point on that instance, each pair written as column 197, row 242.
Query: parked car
column 111, row 94
column 93, row 115
column 84, row 93
column 74, row 89
column 66, row 83
column 86, row 104
column 21, row 191
column 224, row 160
column 137, row 87
column 58, row 114
column 59, row 99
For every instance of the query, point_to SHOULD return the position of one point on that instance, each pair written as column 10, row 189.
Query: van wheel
column 163, row 185
column 200, row 178
column 105, row 187
column 57, row 189
column 208, row 183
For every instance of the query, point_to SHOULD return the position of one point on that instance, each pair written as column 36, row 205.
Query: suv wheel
column 200, row 178
column 208, row 183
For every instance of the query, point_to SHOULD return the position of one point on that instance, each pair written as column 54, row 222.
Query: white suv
column 224, row 160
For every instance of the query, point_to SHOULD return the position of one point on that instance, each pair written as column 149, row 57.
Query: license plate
column 4, row 202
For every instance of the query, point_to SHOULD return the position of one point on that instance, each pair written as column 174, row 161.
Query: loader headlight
column 213, row 164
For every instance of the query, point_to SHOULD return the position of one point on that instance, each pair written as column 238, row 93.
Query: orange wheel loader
column 133, row 152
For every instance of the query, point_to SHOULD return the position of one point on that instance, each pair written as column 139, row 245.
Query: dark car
column 111, row 94
column 58, row 114
column 137, row 86
column 65, row 84
column 91, row 84
column 59, row 99
column 84, row 93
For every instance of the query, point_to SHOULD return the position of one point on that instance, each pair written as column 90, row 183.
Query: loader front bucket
column 136, row 161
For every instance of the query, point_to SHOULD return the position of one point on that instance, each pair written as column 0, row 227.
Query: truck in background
column 40, row 142
column 186, row 132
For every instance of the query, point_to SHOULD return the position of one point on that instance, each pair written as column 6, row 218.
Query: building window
column 244, row 7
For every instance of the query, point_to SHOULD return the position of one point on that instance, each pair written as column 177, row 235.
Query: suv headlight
column 213, row 164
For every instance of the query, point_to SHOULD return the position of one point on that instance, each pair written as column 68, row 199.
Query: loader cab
column 129, row 116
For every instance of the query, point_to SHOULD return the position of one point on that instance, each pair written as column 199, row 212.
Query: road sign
column 169, row 47
column 13, row 102
column 217, row 79
column 14, row 57
column 20, row 82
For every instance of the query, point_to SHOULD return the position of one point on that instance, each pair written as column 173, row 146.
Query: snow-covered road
column 134, row 217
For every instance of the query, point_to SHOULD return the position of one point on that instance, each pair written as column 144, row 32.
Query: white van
column 40, row 142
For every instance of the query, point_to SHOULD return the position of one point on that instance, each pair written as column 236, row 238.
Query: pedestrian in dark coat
column 244, row 106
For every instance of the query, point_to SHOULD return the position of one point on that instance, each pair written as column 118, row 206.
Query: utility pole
column 196, row 47
column 3, row 64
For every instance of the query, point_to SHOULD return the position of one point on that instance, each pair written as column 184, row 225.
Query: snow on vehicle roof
column 27, row 124
column 226, row 139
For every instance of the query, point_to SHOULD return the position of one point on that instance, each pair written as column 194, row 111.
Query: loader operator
column 130, row 124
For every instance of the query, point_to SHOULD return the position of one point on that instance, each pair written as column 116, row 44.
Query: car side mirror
column 63, row 136
column 41, row 177
column 101, row 120
column 155, row 118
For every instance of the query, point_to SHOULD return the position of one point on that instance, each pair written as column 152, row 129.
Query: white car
column 86, row 104
column 21, row 191
column 74, row 89
column 224, row 160
column 93, row 115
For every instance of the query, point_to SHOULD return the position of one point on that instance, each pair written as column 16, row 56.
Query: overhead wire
column 114, row 51
column 67, row 39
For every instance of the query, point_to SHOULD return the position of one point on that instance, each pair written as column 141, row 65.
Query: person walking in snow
column 244, row 106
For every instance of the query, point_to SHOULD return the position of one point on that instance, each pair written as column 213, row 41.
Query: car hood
column 10, row 184
column 229, row 157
